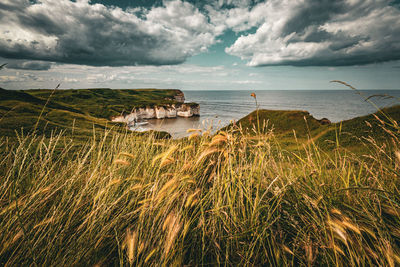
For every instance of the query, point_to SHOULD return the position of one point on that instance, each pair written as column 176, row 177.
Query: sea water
column 219, row 108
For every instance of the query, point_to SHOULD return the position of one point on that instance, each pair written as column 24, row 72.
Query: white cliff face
column 184, row 111
column 180, row 109
column 159, row 112
column 130, row 118
column 145, row 113
column 171, row 112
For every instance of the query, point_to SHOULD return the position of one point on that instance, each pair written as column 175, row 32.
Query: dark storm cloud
column 29, row 65
column 93, row 34
column 129, row 3
column 312, row 13
column 395, row 3
column 323, row 33
column 198, row 3
column 273, row 32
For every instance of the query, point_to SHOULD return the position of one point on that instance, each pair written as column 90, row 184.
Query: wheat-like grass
column 229, row 199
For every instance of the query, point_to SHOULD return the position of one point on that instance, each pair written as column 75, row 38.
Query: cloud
column 247, row 82
column 29, row 65
column 320, row 33
column 20, row 78
column 271, row 32
column 93, row 34
column 240, row 17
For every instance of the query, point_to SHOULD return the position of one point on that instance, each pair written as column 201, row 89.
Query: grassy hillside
column 292, row 126
column 279, row 121
column 378, row 126
column 76, row 111
column 104, row 103
column 278, row 188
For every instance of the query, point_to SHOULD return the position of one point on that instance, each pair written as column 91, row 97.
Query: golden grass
column 228, row 199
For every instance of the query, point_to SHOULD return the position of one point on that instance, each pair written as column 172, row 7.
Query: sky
column 200, row 45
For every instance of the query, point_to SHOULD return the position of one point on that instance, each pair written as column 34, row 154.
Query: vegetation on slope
column 378, row 126
column 292, row 126
column 76, row 111
column 280, row 121
column 228, row 199
column 277, row 188
column 104, row 103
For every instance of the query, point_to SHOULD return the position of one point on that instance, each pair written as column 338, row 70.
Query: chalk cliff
column 160, row 112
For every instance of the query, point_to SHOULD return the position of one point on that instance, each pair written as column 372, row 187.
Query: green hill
column 76, row 111
column 285, row 125
column 280, row 121
column 380, row 126
column 104, row 103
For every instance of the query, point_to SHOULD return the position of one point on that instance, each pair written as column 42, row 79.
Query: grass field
column 253, row 194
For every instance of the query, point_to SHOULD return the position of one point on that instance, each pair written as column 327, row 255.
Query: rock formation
column 176, row 109
column 324, row 121
column 159, row 112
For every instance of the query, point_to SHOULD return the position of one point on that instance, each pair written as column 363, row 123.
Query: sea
column 219, row 108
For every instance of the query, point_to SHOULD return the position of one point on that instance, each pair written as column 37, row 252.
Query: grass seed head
column 172, row 226
column 193, row 136
column 121, row 162
column 128, row 155
column 397, row 153
column 131, row 241
column 191, row 130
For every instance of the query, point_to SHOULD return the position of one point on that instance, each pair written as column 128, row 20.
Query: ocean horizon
column 219, row 107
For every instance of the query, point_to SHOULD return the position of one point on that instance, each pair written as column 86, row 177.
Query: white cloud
column 93, row 34
column 26, row 77
column 238, row 19
column 70, row 80
column 247, row 82
column 9, row 78
column 273, row 32
column 313, row 32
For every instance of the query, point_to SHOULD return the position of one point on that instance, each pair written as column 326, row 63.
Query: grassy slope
column 236, row 198
column 104, row 103
column 355, row 131
column 72, row 110
column 351, row 133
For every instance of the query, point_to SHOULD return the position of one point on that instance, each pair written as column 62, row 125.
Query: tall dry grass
column 205, row 200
